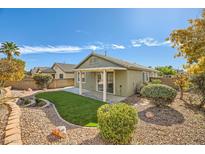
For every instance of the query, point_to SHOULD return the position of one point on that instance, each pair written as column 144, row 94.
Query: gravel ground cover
column 4, row 112
column 180, row 123
column 37, row 124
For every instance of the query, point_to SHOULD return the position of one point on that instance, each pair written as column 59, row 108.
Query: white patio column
column 80, row 83
column 104, row 86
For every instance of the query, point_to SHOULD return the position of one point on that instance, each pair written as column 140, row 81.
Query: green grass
column 74, row 108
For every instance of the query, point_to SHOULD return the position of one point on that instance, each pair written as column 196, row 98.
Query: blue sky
column 46, row 36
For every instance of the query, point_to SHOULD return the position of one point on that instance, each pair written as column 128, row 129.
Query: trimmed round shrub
column 159, row 93
column 117, row 122
column 156, row 81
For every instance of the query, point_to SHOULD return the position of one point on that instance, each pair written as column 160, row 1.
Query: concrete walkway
column 95, row 94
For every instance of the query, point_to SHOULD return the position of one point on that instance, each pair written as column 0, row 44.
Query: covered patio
column 95, row 94
column 105, row 83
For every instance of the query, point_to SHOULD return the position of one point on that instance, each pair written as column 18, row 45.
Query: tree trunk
column 181, row 93
column 2, row 83
column 202, row 103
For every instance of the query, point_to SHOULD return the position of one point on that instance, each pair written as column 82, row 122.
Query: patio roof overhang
column 99, row 69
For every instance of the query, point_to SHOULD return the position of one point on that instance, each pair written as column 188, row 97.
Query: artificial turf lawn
column 74, row 108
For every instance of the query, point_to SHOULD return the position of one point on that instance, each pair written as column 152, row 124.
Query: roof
column 37, row 69
column 65, row 67
column 42, row 70
column 119, row 62
column 48, row 70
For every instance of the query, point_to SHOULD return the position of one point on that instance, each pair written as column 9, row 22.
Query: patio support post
column 80, row 83
column 104, row 85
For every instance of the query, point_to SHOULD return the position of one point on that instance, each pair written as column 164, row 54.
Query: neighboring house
column 57, row 71
column 98, row 72
column 37, row 69
column 63, row 71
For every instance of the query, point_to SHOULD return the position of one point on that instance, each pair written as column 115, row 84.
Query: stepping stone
column 12, row 131
column 18, row 142
column 13, row 117
column 14, row 113
column 149, row 115
column 13, row 121
column 11, row 126
column 12, row 138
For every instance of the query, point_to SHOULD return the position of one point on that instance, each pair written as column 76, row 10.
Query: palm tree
column 9, row 49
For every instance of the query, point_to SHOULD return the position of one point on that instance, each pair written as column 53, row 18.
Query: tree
column 42, row 80
column 182, row 81
column 198, row 81
column 9, row 49
column 11, row 70
column 190, row 43
column 166, row 70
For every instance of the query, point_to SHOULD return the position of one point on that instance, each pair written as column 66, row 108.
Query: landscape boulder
column 149, row 115
column 59, row 131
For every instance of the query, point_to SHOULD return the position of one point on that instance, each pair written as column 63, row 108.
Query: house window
column 83, row 74
column 61, row 76
column 53, row 75
column 145, row 76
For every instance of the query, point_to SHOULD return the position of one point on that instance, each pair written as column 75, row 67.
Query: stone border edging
column 30, row 104
column 13, row 130
column 46, row 105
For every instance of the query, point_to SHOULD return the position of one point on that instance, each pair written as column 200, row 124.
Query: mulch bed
column 4, row 112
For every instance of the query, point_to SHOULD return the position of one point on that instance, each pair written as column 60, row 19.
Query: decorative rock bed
column 38, row 123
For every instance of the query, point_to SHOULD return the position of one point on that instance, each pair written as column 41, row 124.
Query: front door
column 110, row 82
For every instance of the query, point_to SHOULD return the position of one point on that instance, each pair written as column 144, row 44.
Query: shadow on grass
column 164, row 116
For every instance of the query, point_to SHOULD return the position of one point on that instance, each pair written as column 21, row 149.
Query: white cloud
column 93, row 47
column 148, row 41
column 78, row 31
column 51, row 49
column 116, row 46
column 26, row 49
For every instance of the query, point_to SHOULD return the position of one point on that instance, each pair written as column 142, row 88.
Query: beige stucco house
column 110, row 75
column 57, row 71
column 63, row 71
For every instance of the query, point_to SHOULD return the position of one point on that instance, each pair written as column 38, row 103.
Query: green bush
column 42, row 80
column 117, row 122
column 26, row 101
column 156, row 81
column 159, row 93
column 39, row 102
column 198, row 83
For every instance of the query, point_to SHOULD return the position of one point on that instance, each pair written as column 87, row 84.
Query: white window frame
column 78, row 79
column 146, row 76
